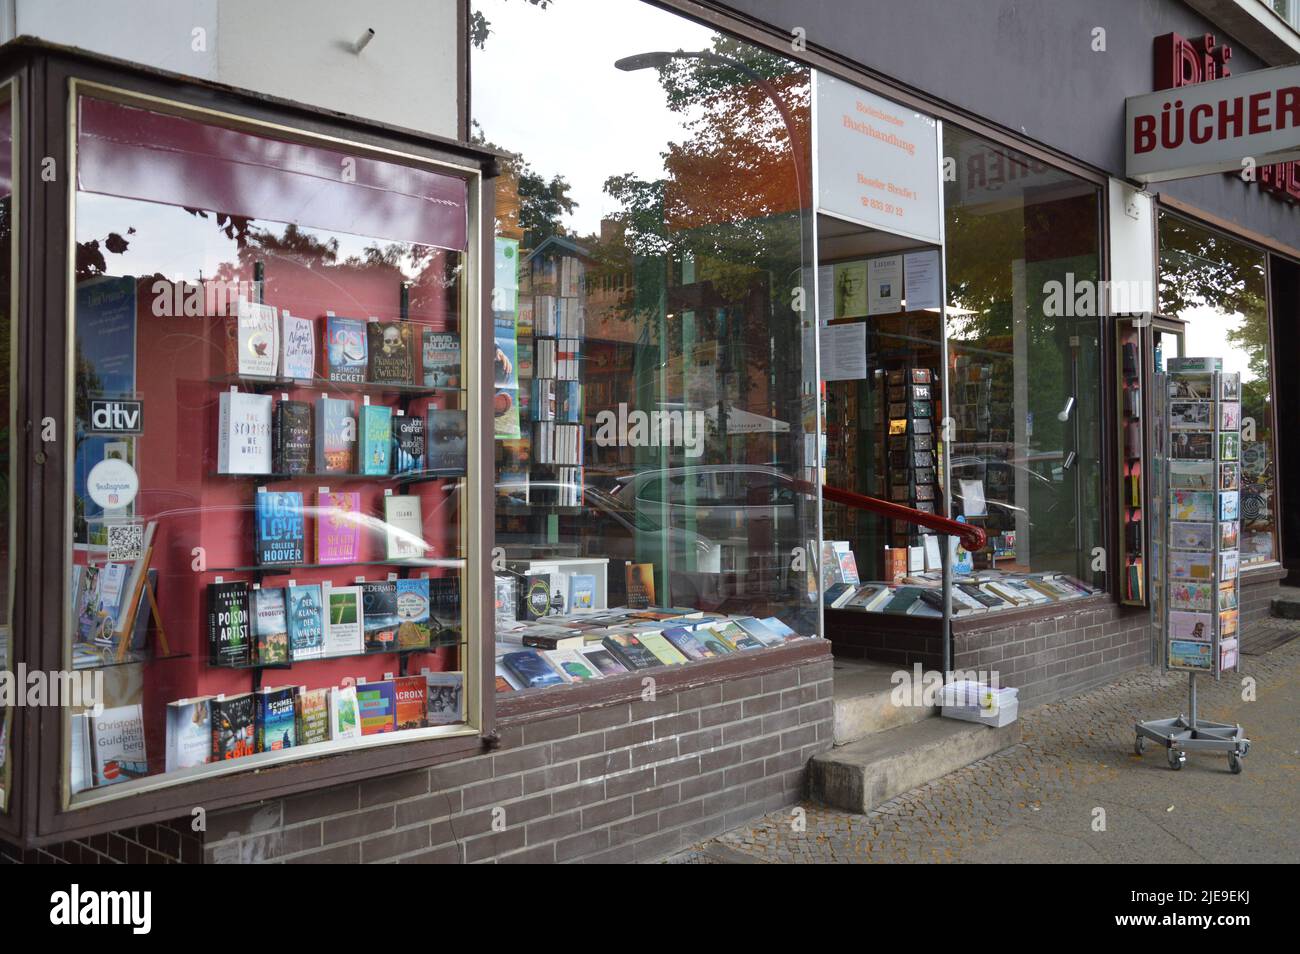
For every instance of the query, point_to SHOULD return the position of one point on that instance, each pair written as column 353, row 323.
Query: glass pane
column 655, row 385
column 7, row 472
column 1024, row 358
column 1219, row 287
column 267, row 547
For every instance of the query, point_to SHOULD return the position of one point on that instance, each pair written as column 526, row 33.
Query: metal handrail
column 973, row 538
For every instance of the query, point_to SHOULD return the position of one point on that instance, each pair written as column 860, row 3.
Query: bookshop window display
column 1219, row 287
column 654, row 405
column 268, row 542
column 1023, row 246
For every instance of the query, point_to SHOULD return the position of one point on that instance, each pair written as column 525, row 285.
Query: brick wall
column 163, row 843
column 624, row 782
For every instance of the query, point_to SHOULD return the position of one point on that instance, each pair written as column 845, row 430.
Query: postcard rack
column 1196, row 491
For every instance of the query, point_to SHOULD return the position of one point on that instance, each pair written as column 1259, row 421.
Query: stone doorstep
column 859, row 776
column 864, row 704
column 1287, row 605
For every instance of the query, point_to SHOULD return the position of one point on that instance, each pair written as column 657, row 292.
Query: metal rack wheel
column 1234, row 763
column 1176, row 759
column 1139, row 745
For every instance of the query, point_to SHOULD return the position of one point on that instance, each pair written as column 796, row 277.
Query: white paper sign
column 877, row 161
column 921, row 279
column 113, row 483
column 884, row 285
column 844, row 352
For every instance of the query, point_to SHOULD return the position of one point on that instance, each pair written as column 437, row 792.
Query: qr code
column 125, row 542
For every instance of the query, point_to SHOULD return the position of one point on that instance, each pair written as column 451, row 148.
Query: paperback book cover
column 573, row 665
column 345, row 350
column 375, row 440
column 272, row 626
column 294, row 449
column 379, row 611
column 335, row 437
column 413, row 625
column 444, row 691
column 761, row 631
column 377, row 707
column 408, row 444
column 505, row 599
column 663, row 650
column 297, row 348
column 117, row 745
column 306, row 622
column 244, row 433
column 389, row 344
column 230, row 634
column 234, row 731
column 630, row 651
column 280, row 532
column 604, row 660
column 531, row 669
column 411, row 695
column 277, row 719
column 640, row 581
column 313, row 708
column 582, row 592
column 734, row 636
column 254, row 341
column 710, row 642
column 343, row 633
column 338, row 527
column 444, row 610
column 345, row 716
column 441, row 359
column 447, row 441
column 535, row 596
column 404, row 527
column 189, row 734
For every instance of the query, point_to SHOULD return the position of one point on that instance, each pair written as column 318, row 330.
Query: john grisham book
column 408, row 443
column 230, row 633
column 280, row 530
column 390, row 352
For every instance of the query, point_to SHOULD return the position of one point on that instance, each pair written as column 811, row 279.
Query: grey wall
column 1028, row 65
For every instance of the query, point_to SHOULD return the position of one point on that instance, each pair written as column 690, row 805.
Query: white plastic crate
column 976, row 702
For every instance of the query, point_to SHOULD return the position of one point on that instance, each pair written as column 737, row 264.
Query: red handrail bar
column 973, row 538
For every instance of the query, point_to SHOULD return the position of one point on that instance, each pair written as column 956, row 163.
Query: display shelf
column 411, row 477
column 1130, row 355
column 279, row 569
column 259, row 384
column 134, row 659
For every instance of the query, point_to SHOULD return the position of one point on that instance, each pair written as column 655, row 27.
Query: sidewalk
column 1039, row 801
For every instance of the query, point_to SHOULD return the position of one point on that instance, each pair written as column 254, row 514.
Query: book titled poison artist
column 230, row 632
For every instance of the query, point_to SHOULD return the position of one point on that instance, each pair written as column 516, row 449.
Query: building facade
column 469, row 432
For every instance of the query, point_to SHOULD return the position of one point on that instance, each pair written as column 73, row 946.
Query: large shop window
column 267, row 544
column 654, row 396
column 8, row 343
column 1024, row 370
column 1219, row 287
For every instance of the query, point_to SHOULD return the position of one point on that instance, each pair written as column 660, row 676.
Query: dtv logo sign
column 116, row 417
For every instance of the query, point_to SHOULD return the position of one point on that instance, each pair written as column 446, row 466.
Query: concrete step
column 1286, row 605
column 863, row 703
column 859, row 776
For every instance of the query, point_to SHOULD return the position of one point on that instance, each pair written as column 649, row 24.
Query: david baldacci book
column 389, row 343
column 375, row 439
column 230, row 633
column 313, row 710
column 444, row 610
column 277, row 719
column 297, row 348
column 306, row 622
column 345, row 350
column 336, row 436
column 189, row 733
column 244, row 433
column 408, row 443
column 379, row 614
column 410, row 693
column 294, row 448
column 413, row 628
column 270, row 621
column 404, row 527
column 443, row 694
column 280, row 532
column 117, row 748
column 234, row 731
column 441, row 359
column 343, row 628
column 345, row 716
column 446, row 452
column 338, row 527
column 253, row 344
column 377, row 707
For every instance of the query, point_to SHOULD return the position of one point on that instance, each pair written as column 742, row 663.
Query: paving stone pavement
column 1039, row 800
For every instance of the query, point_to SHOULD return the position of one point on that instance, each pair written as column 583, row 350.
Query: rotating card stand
column 1195, row 512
